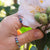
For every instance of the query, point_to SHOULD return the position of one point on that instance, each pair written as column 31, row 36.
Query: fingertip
column 38, row 34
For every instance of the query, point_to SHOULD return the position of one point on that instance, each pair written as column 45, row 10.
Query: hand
column 10, row 24
column 8, row 29
column 9, row 43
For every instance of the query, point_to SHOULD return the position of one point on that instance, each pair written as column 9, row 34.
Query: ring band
column 20, row 18
column 17, row 42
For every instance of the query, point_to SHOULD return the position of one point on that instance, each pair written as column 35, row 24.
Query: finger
column 18, row 17
column 18, row 22
column 30, row 36
column 15, row 22
column 7, row 42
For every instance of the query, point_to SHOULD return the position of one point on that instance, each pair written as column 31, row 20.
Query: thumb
column 30, row 36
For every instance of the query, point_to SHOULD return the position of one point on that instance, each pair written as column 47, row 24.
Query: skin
column 8, row 28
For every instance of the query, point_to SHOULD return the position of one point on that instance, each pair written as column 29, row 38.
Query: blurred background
column 8, row 7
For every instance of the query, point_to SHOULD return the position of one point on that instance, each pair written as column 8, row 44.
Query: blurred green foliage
column 1, row 3
column 6, row 11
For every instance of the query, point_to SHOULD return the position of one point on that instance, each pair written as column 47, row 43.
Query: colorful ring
column 20, row 18
column 17, row 42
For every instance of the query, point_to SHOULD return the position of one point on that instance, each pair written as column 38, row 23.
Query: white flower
column 32, row 5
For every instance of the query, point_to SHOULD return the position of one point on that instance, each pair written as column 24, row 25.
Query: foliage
column 1, row 3
column 25, row 29
column 8, row 10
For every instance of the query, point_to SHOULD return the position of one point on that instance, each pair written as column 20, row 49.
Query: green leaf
column 16, row 5
column 48, row 10
column 7, row 9
column 13, row 11
column 25, row 29
column 1, row 7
